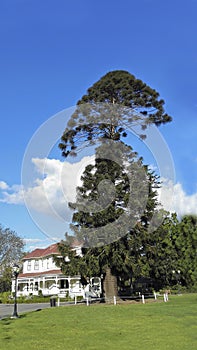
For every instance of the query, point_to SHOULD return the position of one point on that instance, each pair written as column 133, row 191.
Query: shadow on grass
column 7, row 320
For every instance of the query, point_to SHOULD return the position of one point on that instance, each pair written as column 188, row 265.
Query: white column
column 29, row 286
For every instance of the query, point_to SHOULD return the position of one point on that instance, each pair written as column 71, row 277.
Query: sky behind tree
column 51, row 52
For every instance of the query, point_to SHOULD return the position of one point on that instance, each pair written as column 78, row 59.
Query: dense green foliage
column 116, row 193
column 115, row 236
column 186, row 247
column 158, row 255
column 8, row 298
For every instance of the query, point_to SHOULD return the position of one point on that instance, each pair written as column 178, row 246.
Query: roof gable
column 41, row 253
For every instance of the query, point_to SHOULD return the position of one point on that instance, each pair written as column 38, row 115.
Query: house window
column 36, row 265
column 64, row 284
column 29, row 265
column 47, row 263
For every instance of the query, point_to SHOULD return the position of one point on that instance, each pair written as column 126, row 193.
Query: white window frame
column 36, row 265
column 29, row 265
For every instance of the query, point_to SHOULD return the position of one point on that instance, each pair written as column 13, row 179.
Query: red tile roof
column 40, row 253
column 36, row 274
column 52, row 249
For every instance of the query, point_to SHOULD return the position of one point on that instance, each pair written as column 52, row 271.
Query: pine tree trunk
column 110, row 285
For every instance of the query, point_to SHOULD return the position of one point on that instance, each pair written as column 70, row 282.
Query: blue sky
column 52, row 51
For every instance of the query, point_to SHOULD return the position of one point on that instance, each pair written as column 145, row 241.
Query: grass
column 152, row 326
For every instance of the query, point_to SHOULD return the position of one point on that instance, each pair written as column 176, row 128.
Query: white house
column 41, row 275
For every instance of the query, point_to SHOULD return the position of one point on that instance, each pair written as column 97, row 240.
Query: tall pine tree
column 117, row 198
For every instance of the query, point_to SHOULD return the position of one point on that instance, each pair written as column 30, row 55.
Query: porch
column 48, row 285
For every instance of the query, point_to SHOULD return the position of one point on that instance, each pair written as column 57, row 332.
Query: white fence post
column 75, row 299
column 155, row 295
column 165, row 297
column 115, row 302
column 87, row 301
column 143, row 300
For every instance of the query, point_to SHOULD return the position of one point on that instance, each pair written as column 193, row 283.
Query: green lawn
column 153, row 326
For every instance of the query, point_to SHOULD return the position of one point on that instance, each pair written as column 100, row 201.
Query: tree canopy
column 116, row 103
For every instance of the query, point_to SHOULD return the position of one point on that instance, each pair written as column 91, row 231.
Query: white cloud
column 46, row 191
column 33, row 240
column 12, row 194
column 54, row 185
column 3, row 185
column 34, row 243
column 175, row 199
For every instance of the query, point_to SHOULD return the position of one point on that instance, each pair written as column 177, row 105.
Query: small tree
column 11, row 251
